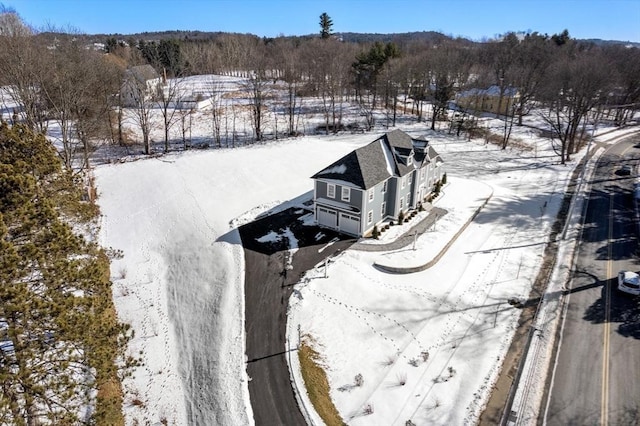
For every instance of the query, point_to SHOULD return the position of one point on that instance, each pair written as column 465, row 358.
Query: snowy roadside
column 528, row 404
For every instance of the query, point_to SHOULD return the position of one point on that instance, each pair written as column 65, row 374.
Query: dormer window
column 410, row 160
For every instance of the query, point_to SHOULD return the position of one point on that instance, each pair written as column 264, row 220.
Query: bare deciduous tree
column 167, row 98
column 576, row 85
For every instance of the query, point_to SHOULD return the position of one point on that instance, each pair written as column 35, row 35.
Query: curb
column 436, row 258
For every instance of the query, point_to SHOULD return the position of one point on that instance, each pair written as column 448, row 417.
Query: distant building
column 488, row 100
column 374, row 183
column 140, row 83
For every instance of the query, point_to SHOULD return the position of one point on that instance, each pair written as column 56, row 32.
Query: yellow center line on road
column 604, row 413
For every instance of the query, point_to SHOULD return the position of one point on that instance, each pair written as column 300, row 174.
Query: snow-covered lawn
column 180, row 280
column 429, row 345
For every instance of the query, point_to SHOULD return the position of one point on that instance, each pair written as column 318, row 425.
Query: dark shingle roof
column 373, row 163
column 364, row 167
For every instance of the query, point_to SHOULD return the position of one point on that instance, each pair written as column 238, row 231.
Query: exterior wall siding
column 355, row 198
column 403, row 192
column 374, row 206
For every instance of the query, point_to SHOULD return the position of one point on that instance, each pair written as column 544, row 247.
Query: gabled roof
column 364, row 168
column 383, row 158
column 142, row 73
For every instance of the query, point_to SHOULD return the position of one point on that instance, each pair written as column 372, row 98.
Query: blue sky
column 474, row 19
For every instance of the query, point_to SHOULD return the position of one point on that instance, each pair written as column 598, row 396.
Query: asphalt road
column 596, row 380
column 267, row 291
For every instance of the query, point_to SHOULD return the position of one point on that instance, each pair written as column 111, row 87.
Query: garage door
column 349, row 224
column 328, row 218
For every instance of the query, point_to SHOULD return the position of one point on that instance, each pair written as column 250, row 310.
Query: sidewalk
column 422, row 244
column 407, row 237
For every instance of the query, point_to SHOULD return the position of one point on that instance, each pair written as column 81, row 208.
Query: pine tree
column 326, row 23
column 55, row 292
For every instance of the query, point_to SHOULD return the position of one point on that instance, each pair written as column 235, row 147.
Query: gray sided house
column 375, row 182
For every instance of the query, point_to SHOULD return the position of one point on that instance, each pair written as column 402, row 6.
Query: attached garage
column 328, row 218
column 349, row 224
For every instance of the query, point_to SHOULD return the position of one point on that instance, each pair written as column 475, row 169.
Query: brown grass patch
column 315, row 380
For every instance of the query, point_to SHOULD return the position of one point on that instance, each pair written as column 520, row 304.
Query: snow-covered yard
column 428, row 345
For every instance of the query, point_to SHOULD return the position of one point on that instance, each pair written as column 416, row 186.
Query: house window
column 410, row 178
column 384, row 186
column 370, row 216
column 401, row 203
column 346, row 193
column 331, row 190
column 383, row 209
column 404, row 181
column 409, row 160
column 371, row 192
column 422, row 173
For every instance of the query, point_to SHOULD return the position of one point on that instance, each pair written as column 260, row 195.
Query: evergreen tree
column 59, row 336
column 325, row 25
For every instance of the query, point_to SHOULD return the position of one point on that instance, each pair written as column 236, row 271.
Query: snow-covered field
column 428, row 345
column 180, row 281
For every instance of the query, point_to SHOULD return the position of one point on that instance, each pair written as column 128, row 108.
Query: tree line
column 60, row 341
column 54, row 76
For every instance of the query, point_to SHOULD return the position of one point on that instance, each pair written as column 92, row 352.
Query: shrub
column 444, row 178
column 401, row 217
column 375, row 234
column 359, row 380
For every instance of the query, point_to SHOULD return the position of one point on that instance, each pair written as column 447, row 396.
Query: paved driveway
column 268, row 285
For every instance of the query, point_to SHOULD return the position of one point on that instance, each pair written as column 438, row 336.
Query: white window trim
column 331, row 189
column 383, row 209
column 410, row 178
column 404, row 181
column 346, row 193
column 384, row 186
column 371, row 194
column 369, row 217
column 401, row 203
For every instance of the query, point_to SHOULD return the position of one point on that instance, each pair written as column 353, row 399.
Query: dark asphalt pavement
column 268, row 286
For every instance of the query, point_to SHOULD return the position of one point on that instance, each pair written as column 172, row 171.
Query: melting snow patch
column 271, row 237
column 335, row 169
column 308, row 219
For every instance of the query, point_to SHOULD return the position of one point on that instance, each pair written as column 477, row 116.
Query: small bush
column 444, row 178
column 375, row 234
column 359, row 380
column 401, row 217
